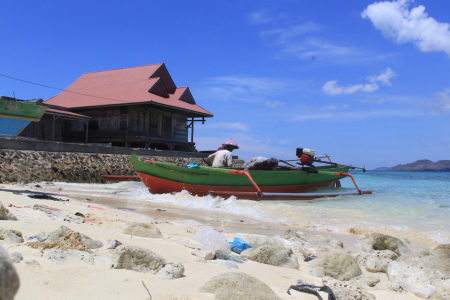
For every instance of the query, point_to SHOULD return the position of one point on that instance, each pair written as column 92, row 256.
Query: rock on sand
column 238, row 286
column 9, row 279
column 339, row 266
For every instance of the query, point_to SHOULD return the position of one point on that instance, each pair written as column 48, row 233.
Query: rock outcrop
column 377, row 261
column 238, row 286
column 272, row 255
column 371, row 242
column 137, row 259
column 346, row 290
column 143, row 230
column 5, row 214
column 424, row 273
column 144, row 260
column 269, row 250
column 63, row 256
column 339, row 266
column 11, row 235
column 9, row 279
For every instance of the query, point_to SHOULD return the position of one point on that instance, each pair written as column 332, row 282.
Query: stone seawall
column 29, row 166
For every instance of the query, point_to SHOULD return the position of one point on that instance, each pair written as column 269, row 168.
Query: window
column 109, row 119
column 139, row 121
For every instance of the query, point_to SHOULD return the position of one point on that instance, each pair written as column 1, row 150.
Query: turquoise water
column 415, row 205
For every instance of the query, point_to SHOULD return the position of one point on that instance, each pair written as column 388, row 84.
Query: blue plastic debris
column 192, row 165
column 239, row 245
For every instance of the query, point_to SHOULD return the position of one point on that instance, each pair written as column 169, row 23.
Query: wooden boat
column 283, row 183
column 15, row 115
column 119, row 178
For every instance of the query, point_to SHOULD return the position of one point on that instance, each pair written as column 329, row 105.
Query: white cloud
column 375, row 100
column 263, row 17
column 354, row 115
column 444, row 99
column 246, row 89
column 248, row 83
column 287, row 35
column 334, row 107
column 333, row 88
column 440, row 103
column 300, row 39
column 258, row 18
column 384, row 77
column 396, row 21
column 274, row 104
column 317, row 48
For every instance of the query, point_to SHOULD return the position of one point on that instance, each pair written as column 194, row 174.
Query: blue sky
column 363, row 81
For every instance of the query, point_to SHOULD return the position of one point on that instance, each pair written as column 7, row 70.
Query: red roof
column 54, row 111
column 151, row 84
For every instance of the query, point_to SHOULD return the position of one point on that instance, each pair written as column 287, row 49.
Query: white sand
column 77, row 280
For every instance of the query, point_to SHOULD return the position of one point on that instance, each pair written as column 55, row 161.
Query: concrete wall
column 25, row 161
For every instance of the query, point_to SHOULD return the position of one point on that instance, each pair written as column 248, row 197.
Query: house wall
column 180, row 129
column 43, row 130
column 132, row 121
column 157, row 128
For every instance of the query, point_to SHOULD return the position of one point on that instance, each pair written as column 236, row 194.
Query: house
column 139, row 107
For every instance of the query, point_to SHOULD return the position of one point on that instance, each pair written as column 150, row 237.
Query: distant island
column 421, row 165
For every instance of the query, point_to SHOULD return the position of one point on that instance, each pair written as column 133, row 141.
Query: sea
column 411, row 205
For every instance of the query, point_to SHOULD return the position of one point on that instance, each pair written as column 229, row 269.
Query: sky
column 365, row 82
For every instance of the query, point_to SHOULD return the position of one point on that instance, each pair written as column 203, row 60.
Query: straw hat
column 231, row 143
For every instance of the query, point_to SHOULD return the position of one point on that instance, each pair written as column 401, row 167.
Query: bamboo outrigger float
column 284, row 183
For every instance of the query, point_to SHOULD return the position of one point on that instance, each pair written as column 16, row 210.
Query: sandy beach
column 79, row 280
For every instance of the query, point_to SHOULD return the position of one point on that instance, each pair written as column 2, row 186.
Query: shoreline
column 77, row 280
column 247, row 224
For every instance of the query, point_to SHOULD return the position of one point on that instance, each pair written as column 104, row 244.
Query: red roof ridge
column 160, row 64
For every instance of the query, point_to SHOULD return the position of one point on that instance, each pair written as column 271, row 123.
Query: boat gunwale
column 222, row 177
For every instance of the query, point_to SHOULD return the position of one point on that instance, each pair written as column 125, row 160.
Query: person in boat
column 261, row 163
column 222, row 158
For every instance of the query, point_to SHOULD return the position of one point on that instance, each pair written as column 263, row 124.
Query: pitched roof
column 151, row 84
column 58, row 112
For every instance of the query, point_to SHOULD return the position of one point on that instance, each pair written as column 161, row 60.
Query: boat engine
column 306, row 155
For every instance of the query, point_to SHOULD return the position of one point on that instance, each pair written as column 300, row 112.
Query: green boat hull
column 168, row 178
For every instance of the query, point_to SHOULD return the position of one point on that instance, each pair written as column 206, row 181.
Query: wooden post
column 53, row 131
column 171, row 126
column 192, row 130
column 87, row 130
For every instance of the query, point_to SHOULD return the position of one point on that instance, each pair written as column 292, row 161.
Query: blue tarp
column 239, row 245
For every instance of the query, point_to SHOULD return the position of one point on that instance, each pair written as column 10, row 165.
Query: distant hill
column 381, row 169
column 421, row 165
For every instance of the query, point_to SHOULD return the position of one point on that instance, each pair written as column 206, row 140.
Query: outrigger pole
column 336, row 164
column 258, row 195
column 324, row 162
